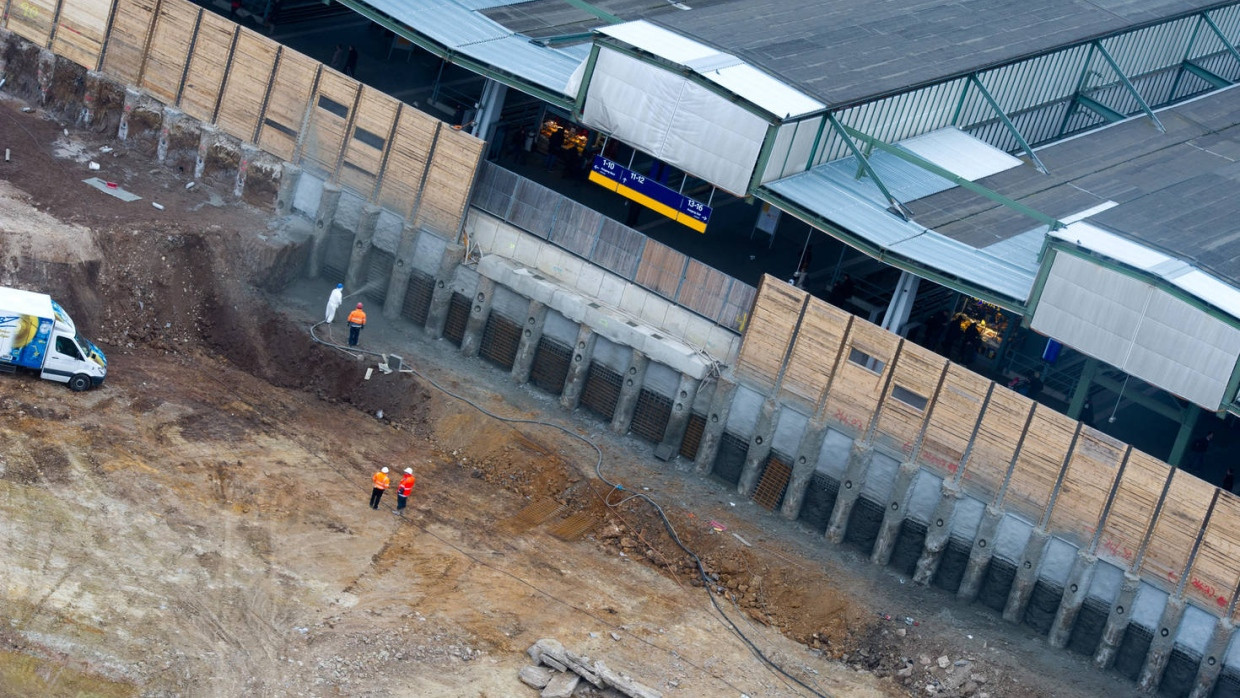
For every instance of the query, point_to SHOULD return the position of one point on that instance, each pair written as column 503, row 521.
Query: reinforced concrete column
column 479, row 312
column 329, row 201
column 1074, row 593
column 979, row 556
column 1212, row 661
column 893, row 515
column 249, row 154
column 630, row 389
column 132, row 99
column 937, row 533
column 678, row 421
column 1117, row 621
column 441, row 296
column 171, row 117
column 290, row 176
column 578, row 368
column 359, row 256
column 1160, row 646
column 402, row 267
column 207, row 137
column 759, row 447
column 850, row 488
column 803, row 465
column 531, row 335
column 1026, row 576
column 716, row 422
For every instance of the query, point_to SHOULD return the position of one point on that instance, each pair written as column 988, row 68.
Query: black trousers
column 401, row 502
column 375, row 495
column 354, row 331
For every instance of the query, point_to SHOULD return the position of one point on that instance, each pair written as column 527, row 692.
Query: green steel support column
column 1219, row 33
column 813, row 151
column 1076, row 95
column 1100, row 109
column 1011, row 127
column 1231, row 395
column 1131, row 89
column 1217, row 81
column 1188, row 52
column 580, row 102
column 844, row 132
column 1081, row 392
column 964, row 92
column 1188, row 421
column 764, row 157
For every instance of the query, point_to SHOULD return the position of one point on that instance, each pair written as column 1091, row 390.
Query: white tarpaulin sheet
column 674, row 119
column 1138, row 328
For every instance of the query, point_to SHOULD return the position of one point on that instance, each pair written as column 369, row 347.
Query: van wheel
column 79, row 382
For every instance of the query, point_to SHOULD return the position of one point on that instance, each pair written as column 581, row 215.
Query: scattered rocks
column 573, row 668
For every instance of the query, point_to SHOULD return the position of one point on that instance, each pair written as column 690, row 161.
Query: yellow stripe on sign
column 653, row 205
column 605, row 182
column 691, row 222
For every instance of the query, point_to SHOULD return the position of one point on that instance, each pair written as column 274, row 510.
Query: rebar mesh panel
column 730, row 458
column 651, row 415
column 533, row 514
column 458, row 315
column 378, row 274
column 1132, row 651
column 337, row 249
column 601, row 391
column 418, row 298
column 575, row 526
column 819, row 501
column 769, row 493
column 550, row 368
column 1227, row 686
column 500, row 339
column 693, row 436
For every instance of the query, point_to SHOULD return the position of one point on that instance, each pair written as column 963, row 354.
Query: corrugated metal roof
column 959, row 153
column 1021, row 250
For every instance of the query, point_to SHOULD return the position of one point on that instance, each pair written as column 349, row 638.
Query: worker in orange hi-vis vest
column 403, row 490
column 357, row 320
column 381, row 484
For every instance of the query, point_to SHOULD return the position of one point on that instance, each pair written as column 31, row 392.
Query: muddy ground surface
column 199, row 525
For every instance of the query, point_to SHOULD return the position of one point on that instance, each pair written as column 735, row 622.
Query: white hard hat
column 383, row 470
column 409, row 470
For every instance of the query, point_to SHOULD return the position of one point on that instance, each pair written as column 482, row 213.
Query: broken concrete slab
column 535, row 676
column 111, row 189
column 561, row 686
column 624, row 684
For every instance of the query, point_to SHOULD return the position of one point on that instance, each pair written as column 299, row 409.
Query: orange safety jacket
column 406, row 485
column 381, row 481
column 357, row 317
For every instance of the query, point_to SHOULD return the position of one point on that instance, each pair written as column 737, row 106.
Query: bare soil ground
column 199, row 525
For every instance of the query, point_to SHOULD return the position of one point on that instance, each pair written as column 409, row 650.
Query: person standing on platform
column 1229, row 481
column 357, row 320
column 1197, row 453
column 338, row 57
column 555, row 149
column 381, row 482
column 350, row 62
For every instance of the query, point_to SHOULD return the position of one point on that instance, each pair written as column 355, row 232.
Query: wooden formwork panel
column 1135, row 501
column 995, row 444
column 1216, row 569
column 1176, row 529
column 814, row 356
column 770, row 329
column 704, row 289
column 411, row 147
column 1043, row 455
column 1091, row 471
column 441, row 206
column 952, row 420
column 32, row 19
column 330, row 108
column 857, row 386
column 169, row 49
column 738, row 306
column 365, row 146
column 287, row 104
column 79, row 36
column 245, row 90
column 909, row 397
column 131, row 23
column 207, row 66
column 660, row 269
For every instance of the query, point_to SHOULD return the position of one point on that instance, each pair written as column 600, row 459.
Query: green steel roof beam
column 954, row 178
column 1132, row 90
column 1217, row 80
column 1100, row 109
column 580, row 103
column 844, row 131
column 1221, row 37
column 1011, row 127
column 447, row 54
column 597, row 12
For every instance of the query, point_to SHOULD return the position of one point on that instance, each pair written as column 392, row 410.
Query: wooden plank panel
column 329, row 117
column 703, row 290
column 738, row 307
column 907, row 401
column 1042, row 456
column 287, row 104
column 1176, row 530
column 814, row 355
column 127, row 40
column 363, row 150
column 407, row 158
column 1135, row 501
column 1216, row 570
column 169, row 49
column 857, row 387
column 1091, row 471
column 770, row 329
column 206, row 66
column 83, row 24
column 446, row 194
column 32, row 20
column 660, row 268
column 995, row 444
column 952, row 420
column 246, row 87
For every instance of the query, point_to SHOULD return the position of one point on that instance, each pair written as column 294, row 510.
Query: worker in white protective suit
column 333, row 302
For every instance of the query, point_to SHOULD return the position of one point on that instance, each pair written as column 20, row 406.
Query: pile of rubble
column 559, row 672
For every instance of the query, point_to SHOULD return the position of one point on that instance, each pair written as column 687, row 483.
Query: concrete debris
column 535, row 676
column 551, row 653
column 93, row 165
column 26, row 110
column 615, row 637
column 561, row 686
column 943, row 662
column 158, row 206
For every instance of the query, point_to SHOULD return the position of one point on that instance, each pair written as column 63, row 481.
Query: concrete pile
column 558, row 672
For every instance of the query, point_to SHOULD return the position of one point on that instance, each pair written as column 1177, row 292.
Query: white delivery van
column 38, row 336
